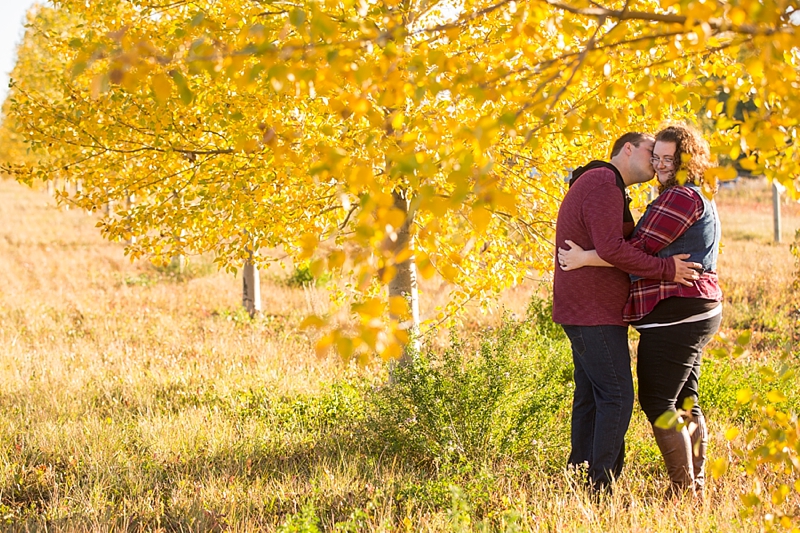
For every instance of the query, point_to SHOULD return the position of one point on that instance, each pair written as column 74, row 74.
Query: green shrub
column 196, row 266
column 305, row 521
column 721, row 380
column 337, row 406
column 462, row 405
column 302, row 276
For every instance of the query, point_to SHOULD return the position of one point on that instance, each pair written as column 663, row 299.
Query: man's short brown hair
column 634, row 137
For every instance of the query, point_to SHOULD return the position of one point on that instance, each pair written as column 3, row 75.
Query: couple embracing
column 660, row 277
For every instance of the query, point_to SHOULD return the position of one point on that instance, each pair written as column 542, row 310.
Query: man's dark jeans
column 603, row 400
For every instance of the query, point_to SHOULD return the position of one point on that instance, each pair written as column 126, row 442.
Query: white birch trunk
column 179, row 260
column 404, row 282
column 66, row 191
column 131, row 202
column 251, row 287
column 776, row 212
column 178, row 263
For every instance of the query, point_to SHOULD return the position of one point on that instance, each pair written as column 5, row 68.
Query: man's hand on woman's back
column 686, row 271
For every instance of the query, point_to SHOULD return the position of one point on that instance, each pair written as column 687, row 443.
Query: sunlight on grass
column 134, row 400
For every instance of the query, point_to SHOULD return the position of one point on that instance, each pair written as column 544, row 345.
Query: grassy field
column 136, row 399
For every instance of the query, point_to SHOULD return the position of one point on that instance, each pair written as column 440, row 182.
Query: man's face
column 640, row 165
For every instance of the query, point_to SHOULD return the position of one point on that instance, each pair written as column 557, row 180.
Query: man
column 588, row 302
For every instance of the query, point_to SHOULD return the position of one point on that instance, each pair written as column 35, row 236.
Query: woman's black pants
column 668, row 365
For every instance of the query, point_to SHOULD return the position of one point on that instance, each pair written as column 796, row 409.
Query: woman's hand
column 576, row 257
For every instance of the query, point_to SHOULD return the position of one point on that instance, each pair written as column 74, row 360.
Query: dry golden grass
column 80, row 309
column 130, row 400
column 749, row 252
column 758, row 274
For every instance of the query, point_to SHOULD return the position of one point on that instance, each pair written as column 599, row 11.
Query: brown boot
column 676, row 448
column 699, row 447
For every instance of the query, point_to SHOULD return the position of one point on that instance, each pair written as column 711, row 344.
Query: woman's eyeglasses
column 667, row 161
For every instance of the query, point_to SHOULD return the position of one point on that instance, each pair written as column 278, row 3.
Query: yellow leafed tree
column 384, row 138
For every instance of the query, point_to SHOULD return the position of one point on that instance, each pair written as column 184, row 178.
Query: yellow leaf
column 748, row 163
column 780, row 493
column 505, row 201
column 718, row 467
column 397, row 120
column 766, row 143
column 162, row 87
column 744, row 396
column 403, row 255
column 312, row 321
column 449, row 272
column 425, row 267
column 721, row 174
column 755, row 67
column 361, row 107
column 776, row 396
column 481, row 217
column 324, row 344
column 750, row 500
column 737, row 15
column 344, row 346
column 247, row 146
column 391, row 217
column 370, row 308
column 436, row 205
column 392, row 351
column 317, row 268
column 401, row 336
column 336, row 259
column 731, row 433
column 388, row 273
column 398, row 306
column 368, row 336
column 308, row 243
column 667, row 420
column 744, row 337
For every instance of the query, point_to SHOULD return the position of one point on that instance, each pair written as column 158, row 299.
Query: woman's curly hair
column 688, row 142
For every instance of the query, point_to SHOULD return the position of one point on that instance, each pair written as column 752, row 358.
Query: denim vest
column 700, row 240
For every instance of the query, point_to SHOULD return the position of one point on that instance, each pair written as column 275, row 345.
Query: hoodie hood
column 627, row 216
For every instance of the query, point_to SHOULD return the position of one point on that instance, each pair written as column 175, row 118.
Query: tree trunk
column 179, row 260
column 66, row 191
column 776, row 211
column 404, row 282
column 131, row 202
column 178, row 263
column 251, row 287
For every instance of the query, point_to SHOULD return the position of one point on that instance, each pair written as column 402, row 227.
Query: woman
column 675, row 321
